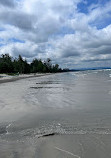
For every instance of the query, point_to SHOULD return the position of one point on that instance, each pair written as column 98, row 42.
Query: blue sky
column 86, row 4
column 73, row 33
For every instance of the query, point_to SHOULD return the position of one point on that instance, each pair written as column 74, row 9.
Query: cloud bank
column 73, row 33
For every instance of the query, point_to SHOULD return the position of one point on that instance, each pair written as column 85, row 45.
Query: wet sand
column 62, row 115
column 78, row 146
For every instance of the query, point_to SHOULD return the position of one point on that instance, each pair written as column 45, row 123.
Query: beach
column 58, row 115
column 8, row 78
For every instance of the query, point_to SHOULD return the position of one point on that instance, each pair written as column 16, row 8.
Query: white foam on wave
column 7, row 128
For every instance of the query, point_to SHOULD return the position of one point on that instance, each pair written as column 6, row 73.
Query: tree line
column 9, row 64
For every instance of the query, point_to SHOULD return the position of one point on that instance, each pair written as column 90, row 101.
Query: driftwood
column 47, row 135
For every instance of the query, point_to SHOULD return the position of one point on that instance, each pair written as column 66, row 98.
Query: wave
column 53, row 129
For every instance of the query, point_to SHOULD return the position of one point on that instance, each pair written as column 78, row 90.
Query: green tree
column 6, row 65
column 56, row 68
column 10, row 65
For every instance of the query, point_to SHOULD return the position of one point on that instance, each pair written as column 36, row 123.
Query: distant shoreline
column 15, row 78
column 86, row 69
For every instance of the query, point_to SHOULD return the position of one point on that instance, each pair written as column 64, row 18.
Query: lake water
column 75, row 107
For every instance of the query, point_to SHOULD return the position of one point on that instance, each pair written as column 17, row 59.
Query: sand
column 6, row 78
column 27, row 115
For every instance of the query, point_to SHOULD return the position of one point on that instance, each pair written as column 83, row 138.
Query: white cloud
column 41, row 23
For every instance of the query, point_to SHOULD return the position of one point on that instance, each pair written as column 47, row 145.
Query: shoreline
column 67, row 117
column 24, row 76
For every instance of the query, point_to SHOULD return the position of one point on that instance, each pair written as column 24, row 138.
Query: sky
column 72, row 33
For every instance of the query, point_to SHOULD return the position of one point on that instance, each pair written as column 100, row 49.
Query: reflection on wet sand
column 62, row 115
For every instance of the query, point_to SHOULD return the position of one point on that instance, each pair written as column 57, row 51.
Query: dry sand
column 6, row 78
